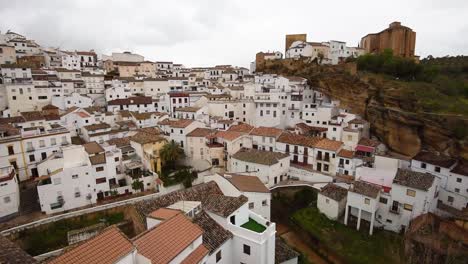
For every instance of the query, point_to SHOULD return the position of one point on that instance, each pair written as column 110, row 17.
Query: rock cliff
column 393, row 112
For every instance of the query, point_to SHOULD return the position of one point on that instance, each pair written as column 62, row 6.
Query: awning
column 364, row 148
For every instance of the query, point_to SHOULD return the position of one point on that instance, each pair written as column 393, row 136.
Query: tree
column 170, row 153
column 137, row 185
column 320, row 56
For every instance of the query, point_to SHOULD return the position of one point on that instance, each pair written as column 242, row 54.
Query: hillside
column 405, row 115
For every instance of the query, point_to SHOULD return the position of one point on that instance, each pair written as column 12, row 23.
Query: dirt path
column 293, row 240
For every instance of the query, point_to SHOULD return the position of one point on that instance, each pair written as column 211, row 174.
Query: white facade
column 9, row 192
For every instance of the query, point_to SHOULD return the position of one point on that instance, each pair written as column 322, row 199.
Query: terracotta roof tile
column 241, row 127
column 108, row 247
column 10, row 253
column 214, row 235
column 368, row 142
column 266, row 132
column 246, row 183
column 131, row 101
column 346, row 154
column 329, row 144
column 229, row 135
column 223, row 205
column 435, row 159
column 334, row 192
column 461, row 168
column 145, row 138
column 300, row 140
column 201, row 132
column 413, row 179
column 366, row 189
column 165, row 241
column 164, row 213
column 95, row 127
column 196, row 256
column 283, row 252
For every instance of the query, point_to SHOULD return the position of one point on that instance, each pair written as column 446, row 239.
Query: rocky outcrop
column 393, row 115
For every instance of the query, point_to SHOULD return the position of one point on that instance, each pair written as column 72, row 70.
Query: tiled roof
column 196, row 193
column 214, row 235
column 307, row 128
column 196, row 256
column 164, row 213
column 12, row 120
column 246, row 183
column 334, row 192
column 329, row 144
column 368, row 142
column 413, row 179
column 283, row 252
column 358, row 121
column 145, row 138
column 95, row 127
column 241, row 127
column 108, row 247
column 32, row 115
column 294, row 139
column 10, row 253
column 266, row 132
column 93, row 147
column 229, row 135
column 435, row 159
column 200, row 132
column 9, row 130
column 176, row 123
column 223, row 205
column 49, row 107
column 346, row 154
column 119, row 142
column 187, row 109
column 260, row 157
column 165, row 241
column 131, row 101
column 366, row 189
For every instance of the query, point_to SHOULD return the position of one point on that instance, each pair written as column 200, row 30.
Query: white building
column 331, row 201
column 9, row 192
column 270, row 167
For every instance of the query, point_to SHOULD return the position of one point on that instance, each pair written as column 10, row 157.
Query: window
column 408, row 207
column 450, row 199
column 457, row 190
column 383, row 200
column 459, row 180
column 437, row 169
column 327, row 201
column 41, row 143
column 116, row 159
column 99, row 168
column 6, row 199
column 411, row 193
column 423, row 165
column 44, row 155
column 53, row 141
column 11, row 151
column 218, row 256
column 32, row 158
column 232, row 219
column 264, row 202
column 251, row 205
column 100, row 180
column 246, row 249
column 366, row 200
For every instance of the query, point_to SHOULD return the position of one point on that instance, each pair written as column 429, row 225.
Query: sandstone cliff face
column 391, row 114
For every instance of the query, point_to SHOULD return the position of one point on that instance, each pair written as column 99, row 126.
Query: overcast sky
column 208, row 32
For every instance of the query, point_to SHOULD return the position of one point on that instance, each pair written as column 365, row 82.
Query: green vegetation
column 354, row 246
column 37, row 241
column 253, row 225
column 180, row 174
column 170, row 154
column 137, row 185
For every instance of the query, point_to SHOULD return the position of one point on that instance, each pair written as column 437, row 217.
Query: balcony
column 319, row 157
column 341, row 165
column 30, row 149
